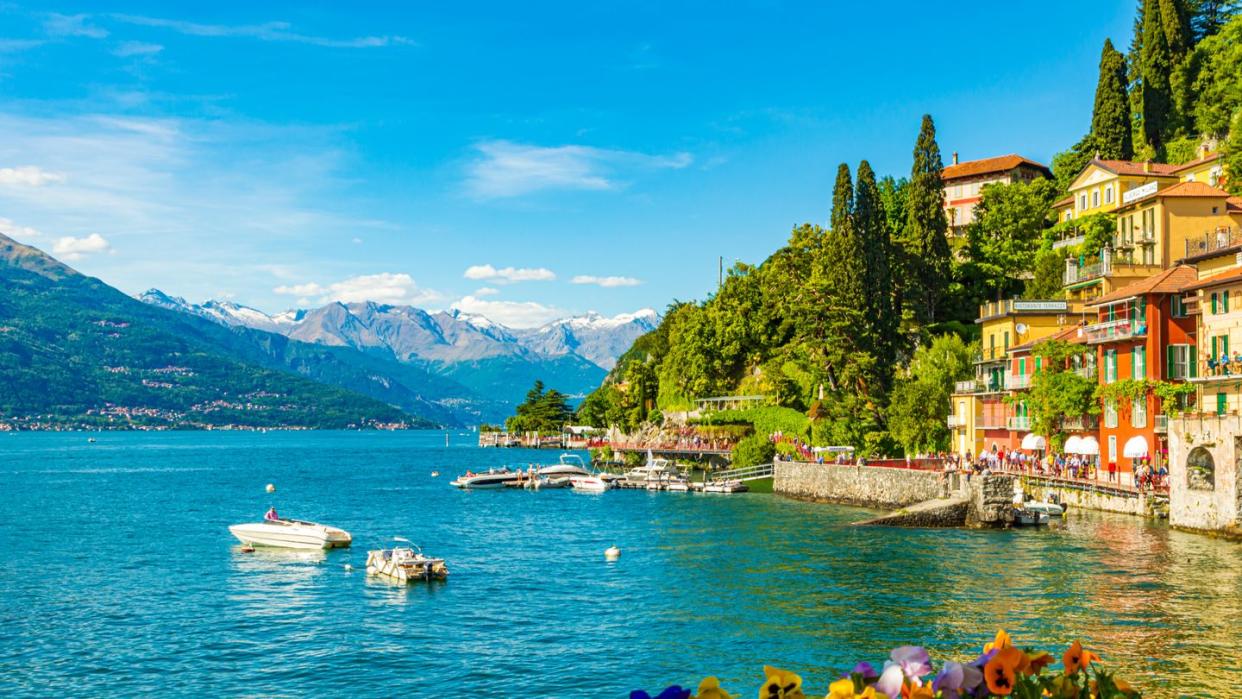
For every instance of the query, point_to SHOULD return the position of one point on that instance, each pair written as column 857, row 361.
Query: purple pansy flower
column 865, row 671
column 955, row 678
column 674, row 692
column 913, row 660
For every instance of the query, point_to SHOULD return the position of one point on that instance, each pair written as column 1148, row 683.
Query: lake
column 120, row 578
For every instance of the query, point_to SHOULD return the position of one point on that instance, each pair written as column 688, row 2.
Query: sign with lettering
column 1040, row 305
column 1139, row 192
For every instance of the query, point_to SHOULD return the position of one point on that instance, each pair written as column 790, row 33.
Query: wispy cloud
column 507, row 169
column 71, row 248
column 267, row 31
column 515, row 314
column 17, row 45
column 136, row 48
column 13, row 230
column 28, row 176
column 481, row 291
column 607, row 282
column 384, row 287
column 508, row 275
column 72, row 25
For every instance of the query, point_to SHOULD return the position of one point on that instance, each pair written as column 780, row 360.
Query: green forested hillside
column 74, row 351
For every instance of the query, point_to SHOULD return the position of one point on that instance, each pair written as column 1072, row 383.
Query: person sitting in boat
column 271, row 516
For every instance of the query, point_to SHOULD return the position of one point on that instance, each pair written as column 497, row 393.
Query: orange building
column 964, row 182
column 1143, row 331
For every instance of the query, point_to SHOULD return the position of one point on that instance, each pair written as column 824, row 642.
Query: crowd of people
column 1069, row 466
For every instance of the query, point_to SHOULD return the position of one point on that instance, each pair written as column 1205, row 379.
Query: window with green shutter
column 1224, row 301
column 1138, row 363
column 1222, row 403
column 1213, row 302
column 1192, row 358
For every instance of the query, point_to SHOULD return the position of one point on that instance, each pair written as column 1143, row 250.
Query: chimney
column 955, row 157
column 1204, row 150
column 1146, row 166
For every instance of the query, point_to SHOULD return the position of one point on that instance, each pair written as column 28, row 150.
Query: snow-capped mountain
column 411, row 334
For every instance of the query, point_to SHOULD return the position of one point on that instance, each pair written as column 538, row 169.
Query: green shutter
column 1213, row 355
column 1222, row 403
column 1213, row 303
column 1194, row 362
column 1224, row 300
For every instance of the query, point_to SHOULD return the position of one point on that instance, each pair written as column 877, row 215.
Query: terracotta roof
column 1225, row 277
column 1069, row 334
column 1067, row 201
column 1214, row 155
column 1129, row 167
column 1003, row 163
column 1192, row 189
column 1234, row 205
column 1170, row 281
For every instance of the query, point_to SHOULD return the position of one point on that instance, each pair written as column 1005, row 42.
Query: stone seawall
column 866, row 486
column 1078, row 498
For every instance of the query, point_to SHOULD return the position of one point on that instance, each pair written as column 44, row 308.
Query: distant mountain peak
column 16, row 255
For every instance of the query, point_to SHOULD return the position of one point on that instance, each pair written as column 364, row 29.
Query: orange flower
column 1002, row 641
column 1033, row 664
column 923, row 692
column 1076, row 658
column 1000, row 671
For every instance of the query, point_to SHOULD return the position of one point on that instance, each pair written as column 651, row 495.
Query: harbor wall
column 1085, row 498
column 866, row 486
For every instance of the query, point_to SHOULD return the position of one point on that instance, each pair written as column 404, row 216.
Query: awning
column 1033, row 442
column 1073, row 444
column 1135, row 448
column 1089, row 447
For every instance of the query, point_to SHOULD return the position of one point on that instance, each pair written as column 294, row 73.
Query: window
column 1095, row 198
column 1110, row 365
column 1224, row 301
column 1108, row 194
column 1177, row 307
column 1022, row 366
column 1138, row 363
column 1110, row 413
column 1082, row 201
column 1181, row 362
column 1006, row 340
column 1200, row 469
column 1222, row 403
column 1214, row 298
column 1138, row 413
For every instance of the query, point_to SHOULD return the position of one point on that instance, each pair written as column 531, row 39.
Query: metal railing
column 977, row 386
column 1081, row 273
column 1087, row 372
column 1121, row 329
column 1162, row 423
column 1215, row 370
column 1017, row 381
column 955, row 421
column 1020, row 422
column 1080, row 423
column 1069, row 242
column 1211, row 241
column 745, row 473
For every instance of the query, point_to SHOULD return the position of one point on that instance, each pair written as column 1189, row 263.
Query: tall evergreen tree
column 843, row 274
column 926, row 234
column 1206, row 17
column 882, row 322
column 1155, row 68
column 1177, row 34
column 1110, row 119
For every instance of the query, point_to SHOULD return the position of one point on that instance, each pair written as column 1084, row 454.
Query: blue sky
column 524, row 160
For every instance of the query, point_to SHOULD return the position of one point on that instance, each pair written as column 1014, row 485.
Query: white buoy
column 271, row 488
column 348, row 567
column 612, row 553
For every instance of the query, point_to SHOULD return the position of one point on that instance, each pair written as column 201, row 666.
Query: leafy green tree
column 1165, row 40
column 1047, row 276
column 1233, row 156
column 921, row 399
column 1068, row 164
column 1217, row 83
column 1007, row 231
column 1057, row 393
column 542, row 411
column 881, row 321
column 1110, row 119
column 1208, row 17
column 752, row 451
column 926, row 233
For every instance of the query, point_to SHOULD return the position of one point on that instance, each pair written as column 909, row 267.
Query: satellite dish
column 1021, row 328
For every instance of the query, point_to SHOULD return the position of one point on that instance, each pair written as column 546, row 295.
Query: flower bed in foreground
column 1002, row 670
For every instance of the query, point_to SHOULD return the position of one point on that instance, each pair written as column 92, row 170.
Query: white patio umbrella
column 1135, row 448
column 1033, row 442
column 1073, row 444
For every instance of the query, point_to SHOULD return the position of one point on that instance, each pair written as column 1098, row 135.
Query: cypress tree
column 881, row 321
column 1110, row 120
column 843, row 282
column 926, row 234
column 1155, row 68
column 1175, row 20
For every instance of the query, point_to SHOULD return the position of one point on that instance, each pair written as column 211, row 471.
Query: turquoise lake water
column 119, row 577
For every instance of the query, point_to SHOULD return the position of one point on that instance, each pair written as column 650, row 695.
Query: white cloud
column 508, row 275
column 507, row 169
column 381, row 288
column 71, row 248
column 15, row 231
column 137, row 48
column 486, row 291
column 29, row 175
column 607, row 282
column 16, row 45
column 515, row 314
column 357, row 241
column 268, row 31
column 72, row 25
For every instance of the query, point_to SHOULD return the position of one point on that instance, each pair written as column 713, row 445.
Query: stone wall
column 991, row 501
column 866, row 486
column 1083, row 498
column 1205, row 473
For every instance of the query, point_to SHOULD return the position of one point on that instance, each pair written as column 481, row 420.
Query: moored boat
column 590, row 484
column 725, row 487
column 290, row 534
column 493, row 478
column 568, row 465
column 405, row 564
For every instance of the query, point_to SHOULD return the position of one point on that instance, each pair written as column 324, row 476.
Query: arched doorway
column 1200, row 469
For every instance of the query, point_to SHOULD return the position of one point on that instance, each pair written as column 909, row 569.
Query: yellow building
column 1103, row 184
column 978, row 414
column 1208, row 169
column 1186, row 220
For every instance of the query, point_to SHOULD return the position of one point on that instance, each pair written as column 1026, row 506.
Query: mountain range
column 494, row 363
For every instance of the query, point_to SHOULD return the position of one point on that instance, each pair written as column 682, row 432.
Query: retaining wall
column 1084, row 498
column 867, row 486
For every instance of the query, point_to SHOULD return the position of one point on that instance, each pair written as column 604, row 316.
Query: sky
column 525, row 161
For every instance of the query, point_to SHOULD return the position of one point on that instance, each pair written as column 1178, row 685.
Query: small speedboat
column 493, row 478
column 291, row 534
column 725, row 487
column 568, row 465
column 405, row 564
column 548, row 482
column 1030, row 518
column 590, row 484
column 1049, row 508
column 679, row 487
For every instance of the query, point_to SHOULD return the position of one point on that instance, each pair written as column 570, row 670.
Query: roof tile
column 1003, row 163
column 1171, row 280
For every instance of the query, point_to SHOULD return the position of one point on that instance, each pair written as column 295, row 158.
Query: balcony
column 1222, row 238
column 1014, row 382
column 977, row 386
column 1211, row 371
column 1162, row 424
column 955, row 421
column 1107, row 266
column 990, row 354
column 1021, row 423
column 1109, row 331
column 1087, row 372
column 1082, row 423
column 995, row 309
column 1069, row 242
column 1076, row 273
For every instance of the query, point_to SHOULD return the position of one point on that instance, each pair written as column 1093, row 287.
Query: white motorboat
column 568, row 465
column 493, row 478
column 1049, row 508
column 655, row 469
column 590, row 484
column 679, row 487
column 549, row 482
column 1029, row 518
column 725, row 487
column 404, row 564
column 291, row 534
